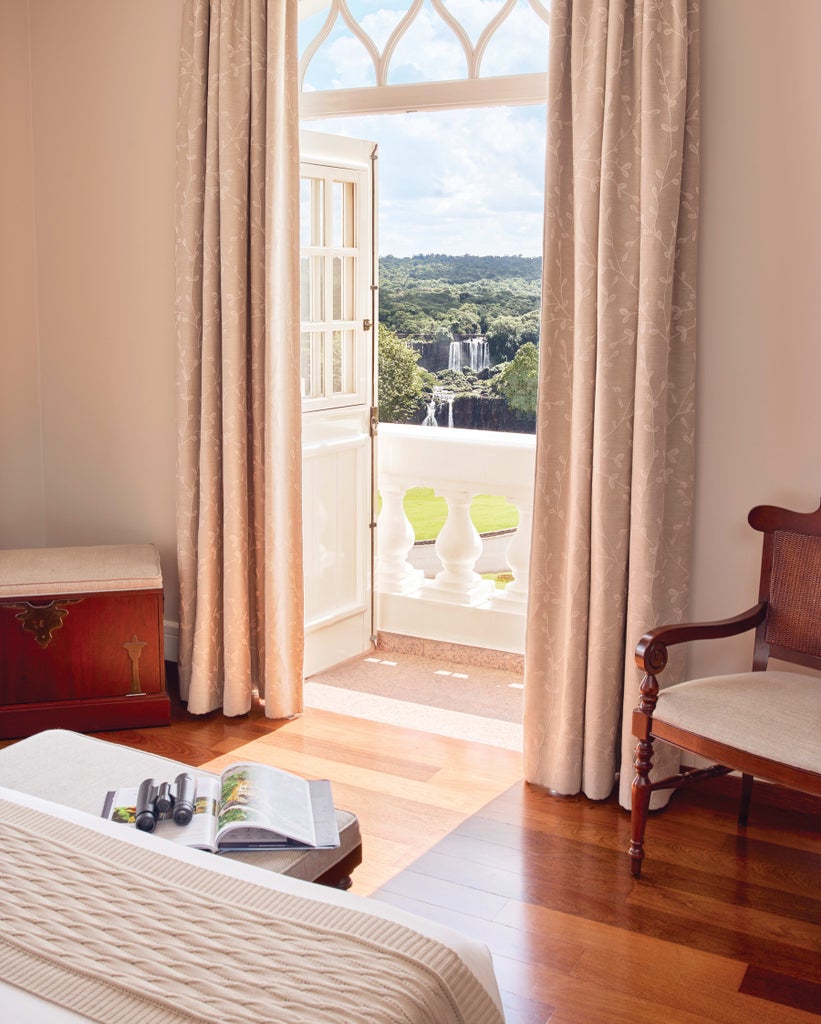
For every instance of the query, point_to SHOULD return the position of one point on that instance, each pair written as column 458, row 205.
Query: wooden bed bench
column 77, row 771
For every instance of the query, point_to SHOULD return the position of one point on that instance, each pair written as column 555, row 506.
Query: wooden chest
column 81, row 639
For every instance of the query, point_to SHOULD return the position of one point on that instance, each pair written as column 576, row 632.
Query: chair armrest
column 651, row 650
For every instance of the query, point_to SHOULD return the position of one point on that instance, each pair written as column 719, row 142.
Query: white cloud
column 460, row 181
column 474, row 15
column 428, row 51
column 379, row 24
column 519, row 46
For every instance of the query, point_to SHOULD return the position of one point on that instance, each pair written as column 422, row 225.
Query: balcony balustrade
column 456, row 604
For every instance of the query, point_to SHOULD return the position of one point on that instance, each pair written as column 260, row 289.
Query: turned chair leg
column 640, row 801
column 638, row 823
column 746, row 794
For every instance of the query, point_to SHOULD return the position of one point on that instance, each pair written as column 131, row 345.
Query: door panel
column 338, row 306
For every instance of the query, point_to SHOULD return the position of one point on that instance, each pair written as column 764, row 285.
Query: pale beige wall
column 103, row 109
column 759, row 338
column 21, row 478
column 103, row 114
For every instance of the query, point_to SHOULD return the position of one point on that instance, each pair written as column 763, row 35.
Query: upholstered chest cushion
column 773, row 714
column 43, row 572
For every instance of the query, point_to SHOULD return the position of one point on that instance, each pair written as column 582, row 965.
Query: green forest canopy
column 436, row 298
column 425, row 297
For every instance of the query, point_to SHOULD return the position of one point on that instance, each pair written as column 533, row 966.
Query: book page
column 264, row 804
column 200, row 832
column 327, row 830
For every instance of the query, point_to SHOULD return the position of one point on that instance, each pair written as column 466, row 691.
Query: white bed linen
column 19, row 1007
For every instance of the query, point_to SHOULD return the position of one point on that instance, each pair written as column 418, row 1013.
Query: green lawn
column 427, row 513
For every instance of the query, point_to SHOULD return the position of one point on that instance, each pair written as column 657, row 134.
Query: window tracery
column 359, row 56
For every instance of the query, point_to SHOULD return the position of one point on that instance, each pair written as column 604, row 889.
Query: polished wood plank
column 792, row 991
column 714, row 935
column 450, row 831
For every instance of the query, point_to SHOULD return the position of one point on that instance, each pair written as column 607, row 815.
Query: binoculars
column 158, row 800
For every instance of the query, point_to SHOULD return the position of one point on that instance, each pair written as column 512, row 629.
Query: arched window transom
column 368, row 55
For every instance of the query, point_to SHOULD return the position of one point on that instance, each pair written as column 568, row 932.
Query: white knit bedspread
column 117, row 932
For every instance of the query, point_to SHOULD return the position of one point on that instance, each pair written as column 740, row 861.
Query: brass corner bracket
column 42, row 619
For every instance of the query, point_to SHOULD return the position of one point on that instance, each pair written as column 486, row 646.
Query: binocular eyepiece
column 156, row 800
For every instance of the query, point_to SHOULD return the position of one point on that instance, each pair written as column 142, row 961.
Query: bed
column 101, row 923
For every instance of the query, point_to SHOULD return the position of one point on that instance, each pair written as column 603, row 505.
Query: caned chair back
column 791, row 586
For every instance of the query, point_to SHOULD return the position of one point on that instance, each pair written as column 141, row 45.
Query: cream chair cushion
column 772, row 714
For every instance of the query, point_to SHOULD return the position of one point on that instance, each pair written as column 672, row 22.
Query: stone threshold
column 460, row 654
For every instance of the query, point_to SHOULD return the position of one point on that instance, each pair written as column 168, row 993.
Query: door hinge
column 366, row 324
column 374, row 420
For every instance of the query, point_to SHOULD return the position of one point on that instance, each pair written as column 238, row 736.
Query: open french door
column 339, row 342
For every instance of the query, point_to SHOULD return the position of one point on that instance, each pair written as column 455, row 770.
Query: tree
column 503, row 338
column 400, row 379
column 409, row 323
column 465, row 321
column 530, row 327
column 517, row 382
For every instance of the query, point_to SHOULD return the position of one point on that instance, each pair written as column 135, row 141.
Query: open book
column 247, row 807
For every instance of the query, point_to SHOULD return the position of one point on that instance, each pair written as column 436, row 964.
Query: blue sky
column 456, row 181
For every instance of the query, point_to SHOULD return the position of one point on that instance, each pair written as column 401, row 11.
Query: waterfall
column 455, row 356
column 479, row 354
column 438, row 398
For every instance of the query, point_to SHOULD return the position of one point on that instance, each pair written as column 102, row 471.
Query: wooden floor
column 723, row 927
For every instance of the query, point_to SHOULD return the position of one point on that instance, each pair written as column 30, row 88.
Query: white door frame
column 338, row 268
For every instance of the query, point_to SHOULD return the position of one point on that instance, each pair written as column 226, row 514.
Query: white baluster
column 395, row 537
column 517, row 555
column 458, row 548
column 458, row 606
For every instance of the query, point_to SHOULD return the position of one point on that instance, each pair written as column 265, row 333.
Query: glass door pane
column 334, row 298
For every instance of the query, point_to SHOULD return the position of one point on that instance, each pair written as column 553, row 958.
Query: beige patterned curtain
column 239, row 450
column 614, row 474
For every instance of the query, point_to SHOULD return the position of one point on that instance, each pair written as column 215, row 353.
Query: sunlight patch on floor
column 375, row 708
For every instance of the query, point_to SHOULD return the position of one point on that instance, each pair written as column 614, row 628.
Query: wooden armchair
column 764, row 724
